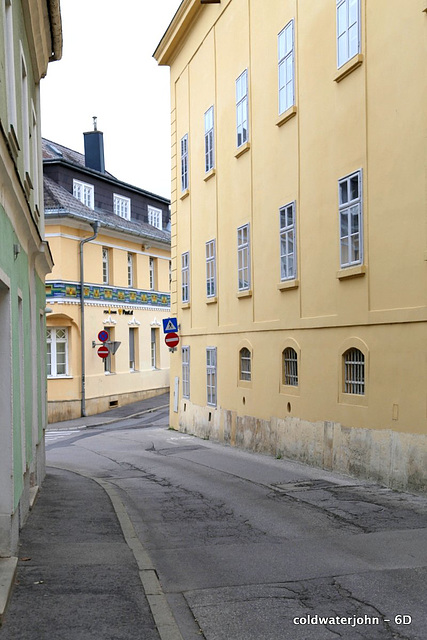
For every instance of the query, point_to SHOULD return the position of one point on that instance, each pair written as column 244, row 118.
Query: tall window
column 211, row 376
column 242, row 108
column 130, row 269
column 84, row 192
column 185, row 277
column 153, row 348
column 132, row 343
column 121, row 206
column 287, row 242
column 245, row 368
column 153, row 273
column 25, row 114
column 286, row 67
column 184, row 163
column 186, row 372
column 209, row 140
column 57, row 352
column 154, row 217
column 348, row 30
column 105, row 265
column 290, row 367
column 210, row 269
column 350, row 211
column 10, row 65
column 243, row 258
column 354, row 372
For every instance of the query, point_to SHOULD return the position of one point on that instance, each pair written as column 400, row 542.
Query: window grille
column 354, row 372
column 245, row 364
column 290, row 367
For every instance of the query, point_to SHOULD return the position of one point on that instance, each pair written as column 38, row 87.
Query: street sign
column 171, row 340
column 170, row 325
column 103, row 336
column 103, row 351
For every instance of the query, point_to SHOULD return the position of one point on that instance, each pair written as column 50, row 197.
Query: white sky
column 107, row 70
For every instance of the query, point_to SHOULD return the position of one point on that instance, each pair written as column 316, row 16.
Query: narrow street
column 247, row 547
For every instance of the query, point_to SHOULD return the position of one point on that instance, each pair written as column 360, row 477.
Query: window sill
column 13, row 142
column 245, row 384
column 289, row 390
column 242, row 149
column 212, row 300
column 109, row 373
column 348, row 67
column 351, row 272
column 184, row 194
column 185, row 305
column 286, row 115
column 244, row 294
column 288, row 284
column 353, row 399
column 59, row 377
column 209, row 174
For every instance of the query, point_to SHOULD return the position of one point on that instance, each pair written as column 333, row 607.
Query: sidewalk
column 77, row 579
column 126, row 411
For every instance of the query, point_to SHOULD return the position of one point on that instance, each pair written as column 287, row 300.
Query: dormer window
column 121, row 206
column 155, row 217
column 84, row 192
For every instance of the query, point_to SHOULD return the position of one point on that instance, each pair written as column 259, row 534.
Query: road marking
column 51, row 436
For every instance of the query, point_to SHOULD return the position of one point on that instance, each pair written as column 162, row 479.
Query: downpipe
column 95, row 226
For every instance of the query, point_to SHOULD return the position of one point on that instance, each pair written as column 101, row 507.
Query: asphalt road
column 248, row 547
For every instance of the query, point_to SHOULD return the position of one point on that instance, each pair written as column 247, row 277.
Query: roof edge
column 181, row 22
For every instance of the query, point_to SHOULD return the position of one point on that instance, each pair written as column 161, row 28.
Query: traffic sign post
column 171, row 340
column 103, row 351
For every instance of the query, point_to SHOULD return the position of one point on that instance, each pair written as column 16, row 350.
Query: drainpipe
column 95, row 226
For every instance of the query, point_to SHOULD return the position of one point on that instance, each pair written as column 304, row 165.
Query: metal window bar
column 290, row 367
column 245, row 364
column 354, row 372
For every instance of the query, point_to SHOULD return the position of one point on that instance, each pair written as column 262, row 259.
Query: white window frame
column 152, row 272
column 184, row 163
column 209, row 140
column 121, row 206
column 348, row 30
column 10, row 65
column 130, row 269
column 354, row 372
column 211, row 269
column 243, row 258
column 185, row 277
column 25, row 115
column 350, row 219
column 155, row 217
column 288, row 246
column 105, row 265
column 185, row 371
column 153, row 347
column 53, row 341
column 84, row 192
column 290, row 367
column 245, row 364
column 133, row 341
column 286, row 53
column 211, row 376
column 242, row 110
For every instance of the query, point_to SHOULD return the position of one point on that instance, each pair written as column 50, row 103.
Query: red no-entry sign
column 103, row 351
column 171, row 340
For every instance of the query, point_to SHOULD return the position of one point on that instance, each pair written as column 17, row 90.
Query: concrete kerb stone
column 160, row 609
column 8, row 567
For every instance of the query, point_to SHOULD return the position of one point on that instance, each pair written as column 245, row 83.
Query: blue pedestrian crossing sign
column 170, row 325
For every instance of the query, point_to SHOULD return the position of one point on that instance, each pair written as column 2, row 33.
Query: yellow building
column 117, row 236
column 299, row 243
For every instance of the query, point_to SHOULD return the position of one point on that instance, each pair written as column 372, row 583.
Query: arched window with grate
column 290, row 367
column 354, row 372
column 245, row 366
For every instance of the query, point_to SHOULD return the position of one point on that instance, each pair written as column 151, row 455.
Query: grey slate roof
column 58, row 202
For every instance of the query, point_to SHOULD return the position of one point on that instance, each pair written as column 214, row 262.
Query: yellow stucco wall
column 370, row 120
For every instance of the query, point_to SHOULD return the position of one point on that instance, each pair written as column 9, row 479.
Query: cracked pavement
column 245, row 545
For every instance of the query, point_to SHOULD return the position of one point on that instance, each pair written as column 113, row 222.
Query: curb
column 102, row 422
column 8, row 567
column 163, row 617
